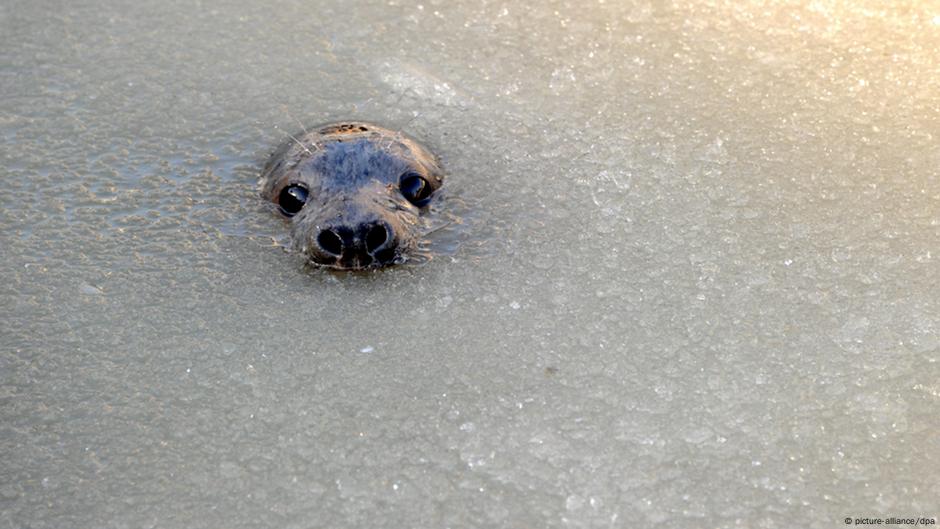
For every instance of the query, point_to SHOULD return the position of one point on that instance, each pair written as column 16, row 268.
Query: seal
column 353, row 193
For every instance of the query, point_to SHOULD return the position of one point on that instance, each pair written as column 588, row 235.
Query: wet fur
column 351, row 171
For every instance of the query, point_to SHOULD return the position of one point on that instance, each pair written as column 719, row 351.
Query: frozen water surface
column 699, row 289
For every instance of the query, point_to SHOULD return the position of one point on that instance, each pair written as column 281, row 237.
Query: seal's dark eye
column 292, row 199
column 416, row 189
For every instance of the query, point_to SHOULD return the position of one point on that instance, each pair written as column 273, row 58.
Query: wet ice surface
column 701, row 287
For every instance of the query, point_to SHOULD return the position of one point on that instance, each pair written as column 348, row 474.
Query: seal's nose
column 359, row 246
column 374, row 236
column 330, row 242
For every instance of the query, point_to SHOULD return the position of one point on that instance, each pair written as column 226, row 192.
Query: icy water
column 700, row 285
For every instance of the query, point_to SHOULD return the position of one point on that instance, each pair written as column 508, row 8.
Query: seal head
column 354, row 193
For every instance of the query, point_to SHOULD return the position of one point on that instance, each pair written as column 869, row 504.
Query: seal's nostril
column 330, row 242
column 376, row 236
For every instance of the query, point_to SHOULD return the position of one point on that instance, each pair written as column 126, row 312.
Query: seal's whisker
column 355, row 106
column 302, row 146
column 437, row 229
column 399, row 134
column 402, row 95
column 410, row 121
column 302, row 127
